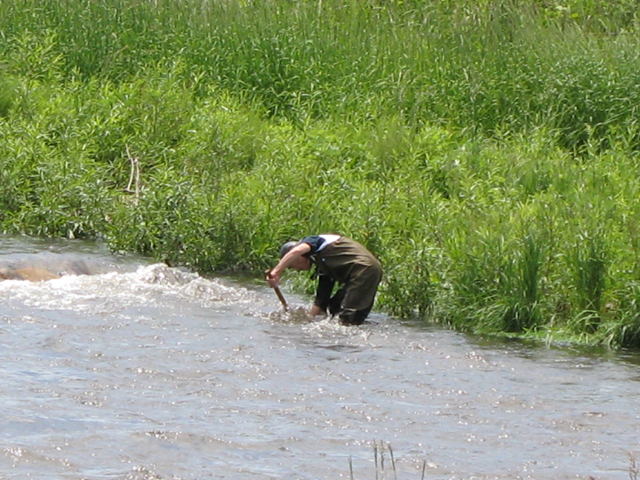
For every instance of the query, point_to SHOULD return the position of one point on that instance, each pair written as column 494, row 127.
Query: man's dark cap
column 284, row 249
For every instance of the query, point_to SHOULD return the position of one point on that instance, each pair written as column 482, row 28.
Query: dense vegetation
column 485, row 150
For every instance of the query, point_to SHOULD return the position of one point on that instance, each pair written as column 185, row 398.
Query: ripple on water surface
column 141, row 371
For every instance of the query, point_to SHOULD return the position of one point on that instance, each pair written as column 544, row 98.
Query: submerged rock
column 32, row 274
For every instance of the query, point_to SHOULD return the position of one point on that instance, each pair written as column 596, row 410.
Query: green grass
column 487, row 152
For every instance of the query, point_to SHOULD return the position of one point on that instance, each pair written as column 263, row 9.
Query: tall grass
column 489, row 66
column 485, row 151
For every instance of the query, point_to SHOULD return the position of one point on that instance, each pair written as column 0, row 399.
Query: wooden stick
column 279, row 294
column 281, row 298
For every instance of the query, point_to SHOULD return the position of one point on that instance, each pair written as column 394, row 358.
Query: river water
column 144, row 372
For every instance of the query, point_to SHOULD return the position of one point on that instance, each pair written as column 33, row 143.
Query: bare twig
column 375, row 456
column 633, row 468
column 393, row 462
column 134, row 176
column 350, row 468
column 379, row 457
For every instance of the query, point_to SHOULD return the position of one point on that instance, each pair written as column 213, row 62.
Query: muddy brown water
column 140, row 371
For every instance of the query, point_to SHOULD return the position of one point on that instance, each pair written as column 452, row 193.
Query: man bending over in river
column 337, row 260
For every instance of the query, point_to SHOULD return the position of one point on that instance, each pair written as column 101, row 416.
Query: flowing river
column 139, row 371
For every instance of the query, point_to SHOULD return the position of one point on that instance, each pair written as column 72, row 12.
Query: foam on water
column 149, row 283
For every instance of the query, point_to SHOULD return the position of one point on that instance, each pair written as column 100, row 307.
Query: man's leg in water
column 359, row 295
column 353, row 317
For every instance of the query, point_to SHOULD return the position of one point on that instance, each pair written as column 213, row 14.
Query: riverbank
column 491, row 172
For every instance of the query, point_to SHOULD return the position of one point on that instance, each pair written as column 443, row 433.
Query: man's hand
column 273, row 279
